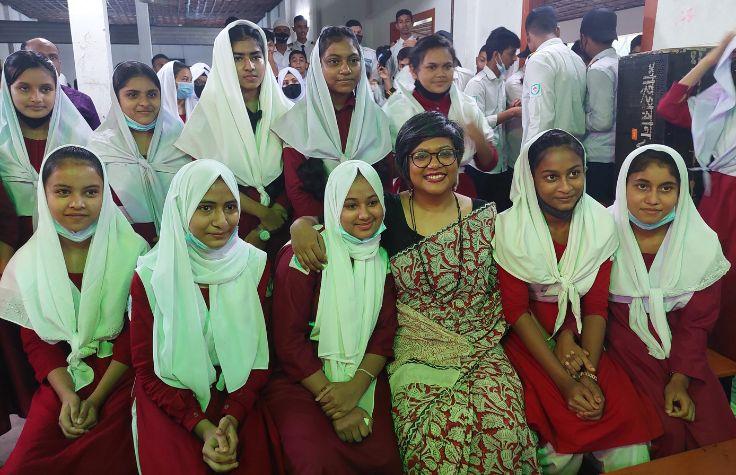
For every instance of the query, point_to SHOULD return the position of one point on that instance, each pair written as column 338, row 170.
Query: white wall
column 682, row 23
column 630, row 21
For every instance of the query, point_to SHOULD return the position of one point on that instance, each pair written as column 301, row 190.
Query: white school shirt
column 512, row 127
column 461, row 76
column 282, row 60
column 398, row 46
column 489, row 92
column 600, row 107
column 296, row 46
column 554, row 91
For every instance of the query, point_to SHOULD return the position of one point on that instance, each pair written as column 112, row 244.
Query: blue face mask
column 184, row 90
column 649, row 227
column 354, row 240
column 78, row 236
column 139, row 127
column 501, row 68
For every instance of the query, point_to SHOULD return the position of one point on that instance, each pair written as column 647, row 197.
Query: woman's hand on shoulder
column 308, row 245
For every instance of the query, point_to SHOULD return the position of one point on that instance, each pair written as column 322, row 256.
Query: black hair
column 298, row 52
column 246, row 32
column 178, row 66
column 403, row 12
column 230, row 19
column 333, row 34
column 483, row 49
column 269, row 35
column 552, row 139
column 419, row 51
column 500, row 40
column 577, row 48
column 423, row 127
column 635, row 42
column 159, row 56
column 658, row 157
column 21, row 61
column 73, row 153
column 403, row 54
column 351, row 23
column 541, row 20
column 128, row 70
column 299, row 18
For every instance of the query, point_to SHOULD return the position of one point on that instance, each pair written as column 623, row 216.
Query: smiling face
column 341, row 67
column 651, row 194
column 74, row 194
column 436, row 70
column 249, row 64
column 216, row 216
column 362, row 213
column 559, row 178
column 140, row 99
column 437, row 178
column 34, row 93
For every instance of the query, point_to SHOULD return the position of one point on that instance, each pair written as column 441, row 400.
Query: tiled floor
column 7, row 440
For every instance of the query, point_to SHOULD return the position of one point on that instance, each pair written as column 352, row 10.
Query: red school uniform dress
column 628, row 418
column 166, row 416
column 714, row 422
column 107, row 448
column 303, row 202
column 310, row 443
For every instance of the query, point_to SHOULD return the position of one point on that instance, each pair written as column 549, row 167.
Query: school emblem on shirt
column 535, row 89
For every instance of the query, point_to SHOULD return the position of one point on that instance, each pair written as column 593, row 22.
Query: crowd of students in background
column 314, row 257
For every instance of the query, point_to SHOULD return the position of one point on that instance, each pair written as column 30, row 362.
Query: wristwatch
column 264, row 235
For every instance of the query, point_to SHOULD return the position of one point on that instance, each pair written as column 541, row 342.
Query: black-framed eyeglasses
column 422, row 158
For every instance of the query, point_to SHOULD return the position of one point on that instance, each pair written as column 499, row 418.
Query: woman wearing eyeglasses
column 457, row 401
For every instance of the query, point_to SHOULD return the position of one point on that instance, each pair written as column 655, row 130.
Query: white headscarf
column 198, row 69
column 66, row 126
column 524, row 248
column 690, row 259
column 36, row 293
column 168, row 92
column 188, row 338
column 139, row 182
column 351, row 293
column 713, row 114
column 220, row 128
column 282, row 74
column 311, row 125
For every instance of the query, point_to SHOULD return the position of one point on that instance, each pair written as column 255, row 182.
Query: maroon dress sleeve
column 382, row 340
column 595, row 302
column 688, row 354
column 514, row 296
column 121, row 345
column 292, row 309
column 673, row 106
column 303, row 203
column 179, row 404
column 44, row 357
column 8, row 220
column 239, row 403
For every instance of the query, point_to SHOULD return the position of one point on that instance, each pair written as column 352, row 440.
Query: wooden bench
column 725, row 370
column 716, row 459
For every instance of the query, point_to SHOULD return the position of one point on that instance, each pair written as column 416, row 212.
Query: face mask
column 281, row 37
column 292, row 91
column 354, row 240
column 650, row 227
column 78, row 236
column 501, row 68
column 139, row 127
column 208, row 252
column 198, row 88
column 184, row 90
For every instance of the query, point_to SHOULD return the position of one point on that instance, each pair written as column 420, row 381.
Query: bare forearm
column 251, row 206
column 371, row 363
column 61, row 381
column 109, row 380
column 6, row 252
column 594, row 332
column 316, row 382
column 529, row 332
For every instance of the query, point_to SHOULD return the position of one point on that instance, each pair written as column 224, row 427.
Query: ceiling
column 570, row 9
column 201, row 13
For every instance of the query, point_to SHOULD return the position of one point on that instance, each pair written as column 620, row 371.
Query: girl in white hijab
column 198, row 333
column 232, row 124
column 35, row 118
column 553, row 248
column 136, row 142
column 177, row 89
column 295, row 90
column 665, row 295
column 338, row 120
column 332, row 389
column 68, row 288
column 200, row 73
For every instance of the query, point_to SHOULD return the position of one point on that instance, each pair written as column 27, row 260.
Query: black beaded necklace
column 458, row 247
